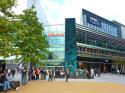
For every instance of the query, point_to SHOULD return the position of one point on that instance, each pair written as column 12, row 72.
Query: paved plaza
column 107, row 83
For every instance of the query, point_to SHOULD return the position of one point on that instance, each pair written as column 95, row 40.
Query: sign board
column 56, row 34
column 93, row 20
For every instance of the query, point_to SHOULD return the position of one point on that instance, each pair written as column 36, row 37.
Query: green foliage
column 21, row 35
column 6, row 5
column 6, row 37
column 6, row 28
column 30, row 43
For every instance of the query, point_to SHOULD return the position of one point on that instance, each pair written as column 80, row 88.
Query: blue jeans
column 6, row 85
column 23, row 79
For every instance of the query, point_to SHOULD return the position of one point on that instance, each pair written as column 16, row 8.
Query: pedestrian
column 92, row 73
column 98, row 72
column 24, row 76
column 53, row 75
column 67, row 75
column 29, row 74
column 95, row 71
column 42, row 73
column 37, row 73
column 50, row 75
column 33, row 73
column 9, row 73
column 13, row 72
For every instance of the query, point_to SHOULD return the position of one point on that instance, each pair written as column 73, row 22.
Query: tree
column 6, row 27
column 6, row 6
column 6, row 37
column 30, row 43
column 21, row 35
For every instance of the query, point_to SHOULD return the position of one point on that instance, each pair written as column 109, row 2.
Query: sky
column 57, row 10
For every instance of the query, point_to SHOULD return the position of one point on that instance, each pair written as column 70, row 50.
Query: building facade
column 97, row 43
column 122, row 28
column 55, row 35
column 39, row 10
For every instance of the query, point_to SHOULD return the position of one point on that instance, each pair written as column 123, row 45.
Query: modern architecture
column 96, row 43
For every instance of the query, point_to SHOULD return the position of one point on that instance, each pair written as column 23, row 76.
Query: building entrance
column 104, row 67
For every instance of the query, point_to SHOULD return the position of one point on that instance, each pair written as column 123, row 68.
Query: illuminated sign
column 56, row 34
column 94, row 21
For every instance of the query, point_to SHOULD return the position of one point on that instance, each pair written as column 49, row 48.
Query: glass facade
column 54, row 34
column 40, row 12
column 56, row 40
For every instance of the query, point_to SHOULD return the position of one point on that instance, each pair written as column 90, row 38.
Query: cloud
column 20, row 6
column 56, row 12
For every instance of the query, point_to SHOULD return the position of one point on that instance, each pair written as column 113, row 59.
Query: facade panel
column 100, row 24
column 40, row 12
column 123, row 31
column 70, row 46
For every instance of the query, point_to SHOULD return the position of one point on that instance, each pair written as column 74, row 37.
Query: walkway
column 108, row 83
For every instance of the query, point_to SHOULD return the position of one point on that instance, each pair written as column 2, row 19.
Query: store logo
column 55, row 34
column 94, row 20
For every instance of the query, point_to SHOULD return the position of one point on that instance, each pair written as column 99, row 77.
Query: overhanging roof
column 99, row 35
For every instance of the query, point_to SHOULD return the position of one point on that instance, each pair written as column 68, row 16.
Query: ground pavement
column 107, row 83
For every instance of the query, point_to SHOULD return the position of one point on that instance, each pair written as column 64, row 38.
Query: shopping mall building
column 96, row 43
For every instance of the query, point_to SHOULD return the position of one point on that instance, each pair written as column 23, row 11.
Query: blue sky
column 59, row 1
column 57, row 10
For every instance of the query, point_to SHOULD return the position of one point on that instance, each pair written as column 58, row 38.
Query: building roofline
column 118, row 23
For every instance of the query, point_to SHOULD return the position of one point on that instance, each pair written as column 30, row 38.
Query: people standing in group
column 67, row 75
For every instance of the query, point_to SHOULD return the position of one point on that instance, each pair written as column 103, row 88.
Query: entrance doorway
column 104, row 67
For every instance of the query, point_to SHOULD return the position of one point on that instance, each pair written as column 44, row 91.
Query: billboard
column 94, row 20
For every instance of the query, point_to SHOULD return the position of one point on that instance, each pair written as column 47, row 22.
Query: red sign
column 53, row 34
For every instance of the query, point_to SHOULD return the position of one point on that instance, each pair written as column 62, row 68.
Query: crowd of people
column 47, row 74
column 51, row 74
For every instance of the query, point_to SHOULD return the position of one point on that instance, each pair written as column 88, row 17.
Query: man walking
column 67, row 75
